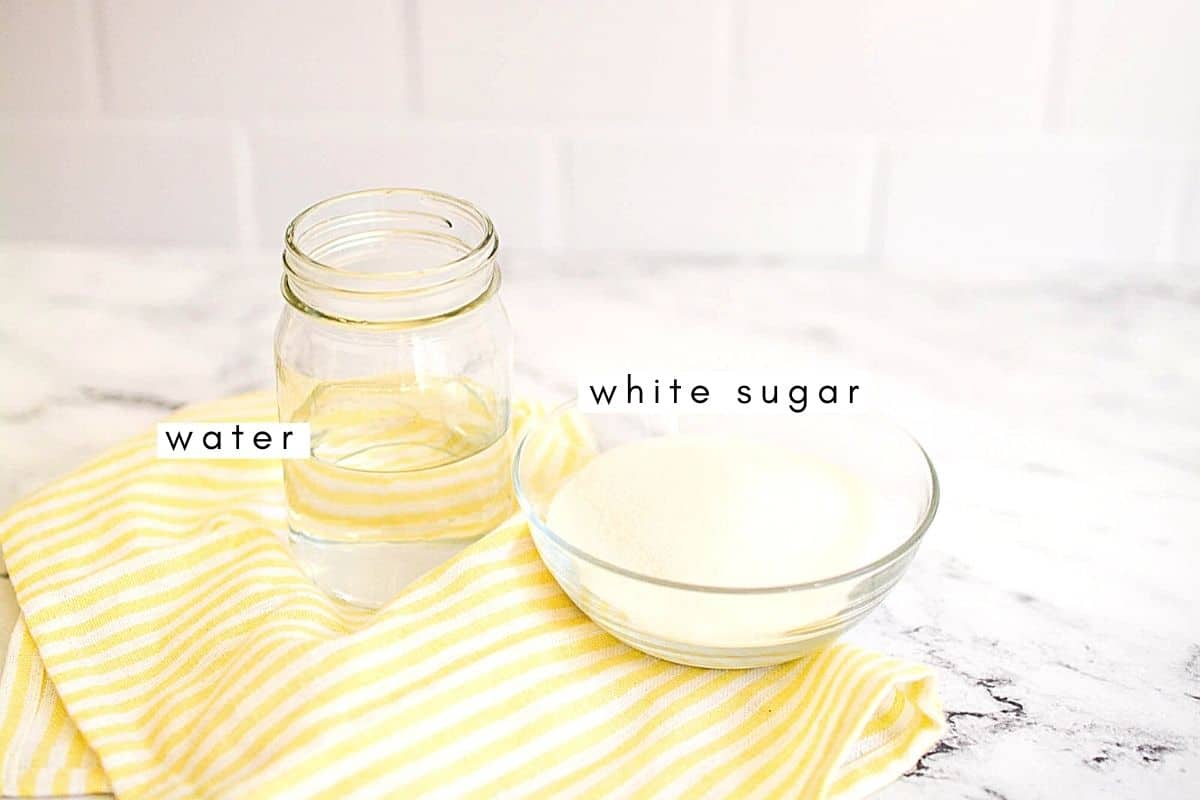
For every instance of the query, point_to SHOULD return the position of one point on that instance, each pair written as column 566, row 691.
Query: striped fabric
column 170, row 648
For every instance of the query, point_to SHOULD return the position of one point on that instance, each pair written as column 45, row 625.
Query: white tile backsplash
column 924, row 132
column 253, row 58
column 44, row 58
column 117, row 183
column 499, row 170
column 1041, row 204
column 1132, row 67
column 1188, row 235
column 536, row 60
column 931, row 65
column 734, row 193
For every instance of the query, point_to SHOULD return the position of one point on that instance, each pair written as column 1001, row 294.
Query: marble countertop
column 1056, row 593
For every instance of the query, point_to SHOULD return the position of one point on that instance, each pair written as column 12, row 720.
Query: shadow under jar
column 393, row 345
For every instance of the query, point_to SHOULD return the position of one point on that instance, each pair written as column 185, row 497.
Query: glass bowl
column 735, row 624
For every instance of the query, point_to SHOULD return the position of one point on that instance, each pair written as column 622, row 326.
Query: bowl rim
column 900, row 551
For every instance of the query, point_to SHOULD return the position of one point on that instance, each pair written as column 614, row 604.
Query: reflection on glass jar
column 393, row 345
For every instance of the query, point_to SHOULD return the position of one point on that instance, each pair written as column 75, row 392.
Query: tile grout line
column 737, row 101
column 722, row 68
column 1054, row 92
column 1184, row 197
column 242, row 157
column 553, row 191
column 878, row 209
column 408, row 20
column 561, row 192
column 89, row 45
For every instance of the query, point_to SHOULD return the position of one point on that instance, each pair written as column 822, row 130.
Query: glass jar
column 393, row 345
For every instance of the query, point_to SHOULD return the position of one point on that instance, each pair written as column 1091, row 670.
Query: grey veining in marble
column 1056, row 594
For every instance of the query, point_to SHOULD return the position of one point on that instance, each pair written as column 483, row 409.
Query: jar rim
column 297, row 302
column 484, row 250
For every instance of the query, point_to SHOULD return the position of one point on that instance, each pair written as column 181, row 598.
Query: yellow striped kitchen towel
column 169, row 647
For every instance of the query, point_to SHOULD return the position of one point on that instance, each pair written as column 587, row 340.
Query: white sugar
column 718, row 511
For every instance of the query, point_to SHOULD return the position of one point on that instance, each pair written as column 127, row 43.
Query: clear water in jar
column 404, row 473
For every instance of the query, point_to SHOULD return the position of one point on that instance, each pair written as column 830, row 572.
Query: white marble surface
column 1056, row 593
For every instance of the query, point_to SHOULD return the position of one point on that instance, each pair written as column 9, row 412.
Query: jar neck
column 389, row 256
